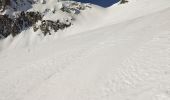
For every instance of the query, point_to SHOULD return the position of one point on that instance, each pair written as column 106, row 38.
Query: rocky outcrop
column 123, row 1
column 15, row 25
column 74, row 7
column 47, row 25
column 26, row 20
column 22, row 20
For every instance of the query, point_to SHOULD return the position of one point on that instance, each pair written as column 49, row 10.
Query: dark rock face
column 15, row 25
column 3, row 4
column 25, row 20
column 5, row 25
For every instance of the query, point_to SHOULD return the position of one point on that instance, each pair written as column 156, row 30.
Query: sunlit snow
column 116, row 53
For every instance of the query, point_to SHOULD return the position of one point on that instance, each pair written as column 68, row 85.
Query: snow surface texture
column 118, row 53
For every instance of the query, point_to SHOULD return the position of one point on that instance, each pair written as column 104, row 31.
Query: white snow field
column 116, row 53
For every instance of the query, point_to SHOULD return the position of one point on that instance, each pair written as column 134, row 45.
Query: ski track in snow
column 36, row 73
column 125, row 78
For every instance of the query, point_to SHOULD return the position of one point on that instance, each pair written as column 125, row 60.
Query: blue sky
column 104, row 3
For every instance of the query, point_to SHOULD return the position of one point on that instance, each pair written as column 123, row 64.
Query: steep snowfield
column 124, row 54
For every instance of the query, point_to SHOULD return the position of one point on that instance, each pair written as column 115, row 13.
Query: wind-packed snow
column 116, row 53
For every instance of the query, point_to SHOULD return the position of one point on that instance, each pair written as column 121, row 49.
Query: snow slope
column 119, row 57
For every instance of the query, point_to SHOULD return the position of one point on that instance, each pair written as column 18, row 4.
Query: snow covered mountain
column 117, row 53
column 46, row 16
